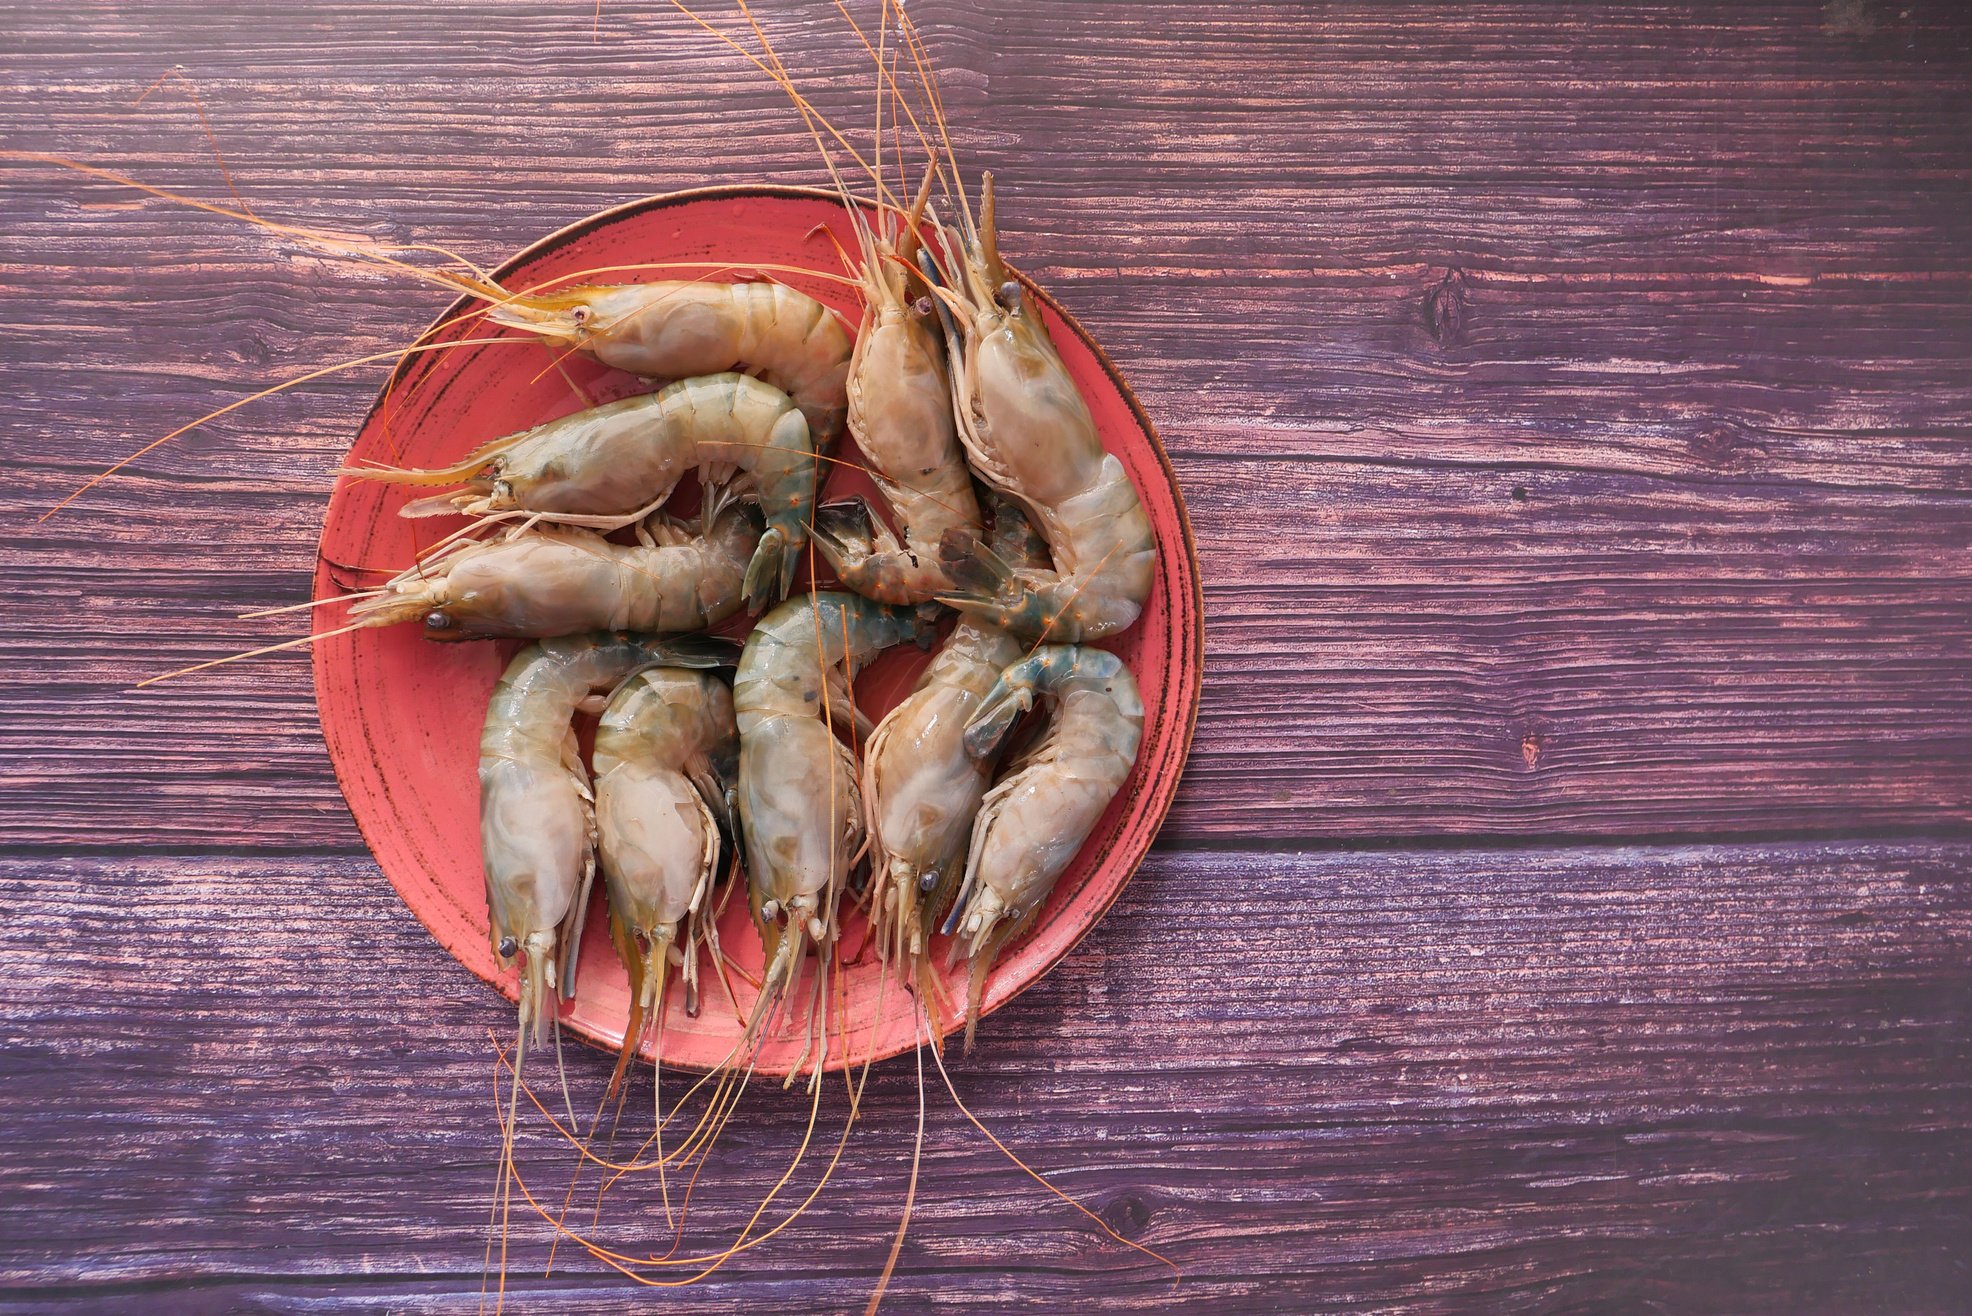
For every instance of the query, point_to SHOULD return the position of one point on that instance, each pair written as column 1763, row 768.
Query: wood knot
column 1723, row 444
column 1533, row 744
column 1127, row 1214
column 1444, row 308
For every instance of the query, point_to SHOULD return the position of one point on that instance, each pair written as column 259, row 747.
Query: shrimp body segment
column 676, row 330
column 557, row 580
column 537, row 835
column 1037, row 816
column 666, row 754
column 1029, row 434
column 800, row 812
column 612, row 464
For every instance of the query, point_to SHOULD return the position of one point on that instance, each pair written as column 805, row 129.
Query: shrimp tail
column 771, row 572
column 988, row 586
column 1003, row 706
column 844, row 529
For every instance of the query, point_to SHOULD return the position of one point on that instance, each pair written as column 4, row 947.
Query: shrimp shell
column 679, row 329
column 666, row 750
column 1029, row 434
column 921, row 789
column 800, row 813
column 900, row 410
column 559, row 581
column 1037, row 816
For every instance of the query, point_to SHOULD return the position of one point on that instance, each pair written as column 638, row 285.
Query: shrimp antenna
column 928, row 82
column 786, row 84
column 889, row 76
column 509, row 1173
column 253, row 653
column 623, row 1263
column 212, row 138
column 911, row 1193
column 350, row 597
column 376, row 254
column 786, row 81
column 1042, row 1179
column 318, row 373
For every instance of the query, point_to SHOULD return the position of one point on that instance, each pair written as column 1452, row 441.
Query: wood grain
column 1590, row 1079
column 1575, row 411
column 1515, row 441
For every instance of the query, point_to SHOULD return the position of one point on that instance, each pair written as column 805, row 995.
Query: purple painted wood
column 1734, row 1077
column 1573, row 411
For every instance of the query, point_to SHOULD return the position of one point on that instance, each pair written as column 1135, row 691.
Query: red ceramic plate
column 402, row 714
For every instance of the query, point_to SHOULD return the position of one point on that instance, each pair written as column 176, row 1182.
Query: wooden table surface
column 1570, row 897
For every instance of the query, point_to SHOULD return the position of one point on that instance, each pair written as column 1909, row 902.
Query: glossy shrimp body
column 1029, row 434
column 537, row 835
column 556, row 580
column 677, row 330
column 1035, row 819
column 666, row 755
column 900, row 411
column 921, row 788
column 610, row 465
column 800, row 812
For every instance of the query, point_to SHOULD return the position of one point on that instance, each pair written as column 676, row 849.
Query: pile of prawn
column 1013, row 543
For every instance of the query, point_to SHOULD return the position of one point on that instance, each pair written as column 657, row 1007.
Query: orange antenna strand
column 212, row 138
column 376, row 254
column 285, row 384
column 1042, row 1179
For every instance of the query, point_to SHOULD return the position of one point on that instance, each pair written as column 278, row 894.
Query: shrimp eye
column 922, row 307
column 928, row 881
column 580, row 315
column 1010, row 295
column 507, row 947
column 437, row 621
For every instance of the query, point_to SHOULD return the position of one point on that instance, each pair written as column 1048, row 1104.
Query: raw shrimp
column 900, row 411
column 555, row 580
column 1028, row 433
column 536, row 828
column 798, row 804
column 666, row 755
column 921, row 789
column 611, row 464
column 676, row 330
column 1036, row 817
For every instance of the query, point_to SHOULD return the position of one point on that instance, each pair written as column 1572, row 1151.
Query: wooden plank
column 1581, row 453
column 1642, row 667
column 1731, row 1077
